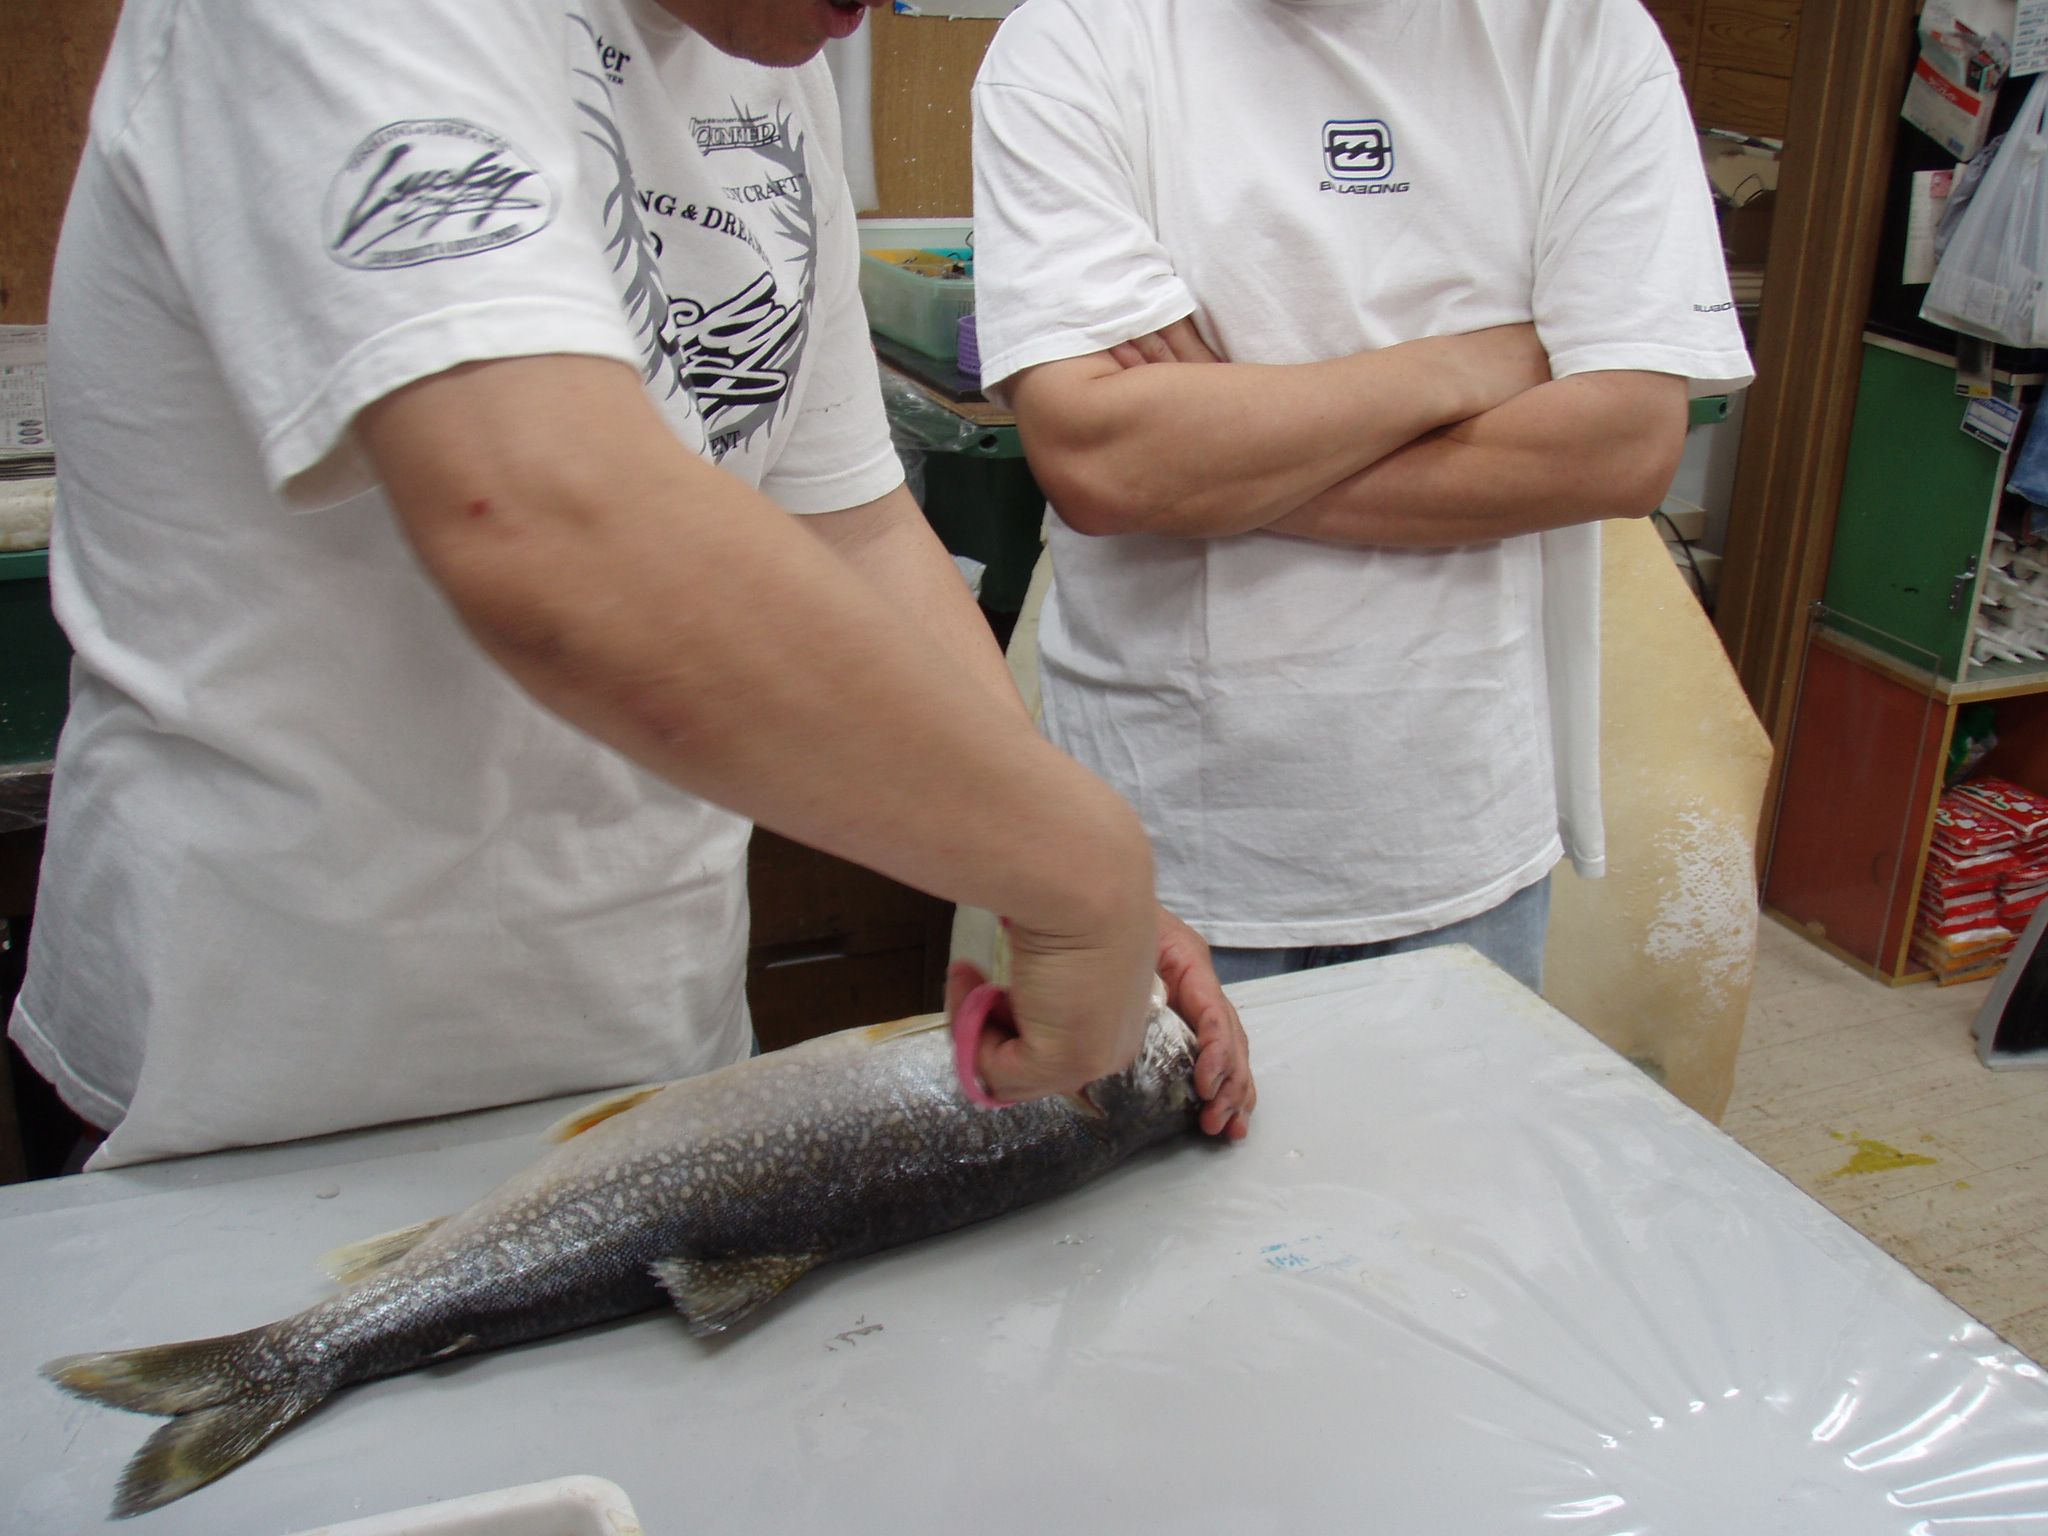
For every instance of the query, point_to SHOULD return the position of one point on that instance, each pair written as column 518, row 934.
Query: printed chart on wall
column 980, row 8
column 2030, row 38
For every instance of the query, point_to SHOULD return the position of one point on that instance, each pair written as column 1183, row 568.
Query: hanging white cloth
column 851, row 61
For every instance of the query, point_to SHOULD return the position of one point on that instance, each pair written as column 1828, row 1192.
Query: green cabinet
column 35, row 660
column 1919, row 501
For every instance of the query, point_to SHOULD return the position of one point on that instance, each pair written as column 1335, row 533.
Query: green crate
column 35, row 660
column 987, row 507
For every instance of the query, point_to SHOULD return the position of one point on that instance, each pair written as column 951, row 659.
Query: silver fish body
column 720, row 1190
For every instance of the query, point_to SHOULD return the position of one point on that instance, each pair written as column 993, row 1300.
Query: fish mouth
column 1170, row 1043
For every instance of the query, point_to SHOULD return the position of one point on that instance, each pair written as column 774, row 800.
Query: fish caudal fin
column 713, row 1294
column 219, row 1417
column 165, row 1378
column 195, row 1448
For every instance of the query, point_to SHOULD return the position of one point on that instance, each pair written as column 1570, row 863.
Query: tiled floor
column 1871, row 1098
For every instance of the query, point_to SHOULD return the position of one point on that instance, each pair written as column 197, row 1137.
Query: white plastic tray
column 562, row 1506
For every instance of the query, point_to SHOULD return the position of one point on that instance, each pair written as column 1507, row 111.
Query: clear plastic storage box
column 906, row 300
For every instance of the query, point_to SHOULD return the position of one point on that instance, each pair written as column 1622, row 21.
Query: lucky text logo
column 432, row 189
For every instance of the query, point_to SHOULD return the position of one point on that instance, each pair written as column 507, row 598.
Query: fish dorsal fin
column 570, row 1126
column 357, row 1261
column 713, row 1294
column 896, row 1029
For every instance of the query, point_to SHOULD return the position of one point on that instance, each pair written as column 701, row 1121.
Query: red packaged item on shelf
column 2026, row 869
column 1950, row 915
column 2016, row 914
column 1964, row 831
column 2013, row 804
column 1980, row 874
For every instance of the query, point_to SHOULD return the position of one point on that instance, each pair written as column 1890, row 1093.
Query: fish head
column 1160, row 1084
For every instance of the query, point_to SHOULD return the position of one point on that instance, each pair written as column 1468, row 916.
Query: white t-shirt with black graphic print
column 314, row 861
column 1329, row 745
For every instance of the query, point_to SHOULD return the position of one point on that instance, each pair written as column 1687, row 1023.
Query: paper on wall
column 981, row 8
column 2030, row 38
column 1923, row 217
column 24, row 418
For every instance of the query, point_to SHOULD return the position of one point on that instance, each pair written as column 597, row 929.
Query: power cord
column 1672, row 535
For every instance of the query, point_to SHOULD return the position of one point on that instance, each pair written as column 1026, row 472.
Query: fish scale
column 720, row 1190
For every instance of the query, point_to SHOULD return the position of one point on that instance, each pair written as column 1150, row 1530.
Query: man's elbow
column 1093, row 496
column 1656, row 466
column 1644, row 456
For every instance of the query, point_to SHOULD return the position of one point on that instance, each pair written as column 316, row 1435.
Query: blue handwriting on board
column 1305, row 1255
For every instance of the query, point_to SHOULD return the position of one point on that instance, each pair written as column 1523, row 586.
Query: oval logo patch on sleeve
column 429, row 190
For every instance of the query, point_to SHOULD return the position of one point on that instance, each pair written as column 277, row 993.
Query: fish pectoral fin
column 713, row 1294
column 1087, row 1108
column 467, row 1342
column 357, row 1261
column 895, row 1029
column 569, row 1127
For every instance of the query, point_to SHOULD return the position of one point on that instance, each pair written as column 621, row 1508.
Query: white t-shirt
column 314, row 862
column 1332, row 745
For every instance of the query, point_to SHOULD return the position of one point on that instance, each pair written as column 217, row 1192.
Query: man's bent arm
column 676, row 614
column 1584, row 448
column 1209, row 450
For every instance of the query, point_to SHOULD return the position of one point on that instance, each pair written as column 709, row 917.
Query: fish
column 717, row 1192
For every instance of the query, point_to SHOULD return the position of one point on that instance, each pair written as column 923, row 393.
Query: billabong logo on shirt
column 431, row 189
column 1361, row 150
column 743, row 132
column 1358, row 157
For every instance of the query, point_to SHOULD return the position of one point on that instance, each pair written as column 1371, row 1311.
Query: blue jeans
column 1511, row 935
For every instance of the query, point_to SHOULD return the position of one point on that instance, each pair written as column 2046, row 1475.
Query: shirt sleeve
column 346, row 213
column 840, row 453
column 1066, row 259
column 1629, row 271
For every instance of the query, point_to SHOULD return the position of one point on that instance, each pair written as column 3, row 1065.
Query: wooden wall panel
column 50, row 57
column 1735, row 57
column 1809, row 348
column 1742, row 100
column 1680, row 21
column 924, row 126
column 1755, row 36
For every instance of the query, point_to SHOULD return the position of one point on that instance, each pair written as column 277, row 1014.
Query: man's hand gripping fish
column 718, row 1190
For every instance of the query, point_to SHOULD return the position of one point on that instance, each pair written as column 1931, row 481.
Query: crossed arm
column 1443, row 441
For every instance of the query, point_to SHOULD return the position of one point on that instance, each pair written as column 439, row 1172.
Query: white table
column 1471, row 1274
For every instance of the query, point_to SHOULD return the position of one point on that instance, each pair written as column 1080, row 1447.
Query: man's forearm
column 892, row 546
column 1589, row 447
column 1212, row 449
column 654, row 601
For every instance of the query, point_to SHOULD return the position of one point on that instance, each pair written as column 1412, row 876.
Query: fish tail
column 220, row 1416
